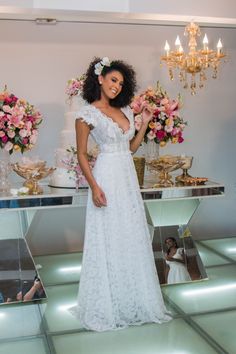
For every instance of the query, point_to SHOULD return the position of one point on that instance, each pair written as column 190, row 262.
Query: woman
column 176, row 271
column 119, row 285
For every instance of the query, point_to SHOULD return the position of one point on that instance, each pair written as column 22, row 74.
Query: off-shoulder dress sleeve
column 87, row 115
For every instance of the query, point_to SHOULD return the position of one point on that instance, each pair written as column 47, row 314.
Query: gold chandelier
column 196, row 61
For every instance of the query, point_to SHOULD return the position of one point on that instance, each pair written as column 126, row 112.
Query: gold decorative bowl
column 33, row 172
column 163, row 166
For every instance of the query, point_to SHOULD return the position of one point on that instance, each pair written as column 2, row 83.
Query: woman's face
column 111, row 84
column 169, row 243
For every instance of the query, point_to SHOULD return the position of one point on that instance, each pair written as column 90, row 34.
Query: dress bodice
column 178, row 255
column 107, row 133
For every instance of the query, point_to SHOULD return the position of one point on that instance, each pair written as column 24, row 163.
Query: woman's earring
column 100, row 82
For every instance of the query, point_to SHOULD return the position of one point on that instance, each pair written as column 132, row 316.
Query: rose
column 4, row 139
column 160, row 134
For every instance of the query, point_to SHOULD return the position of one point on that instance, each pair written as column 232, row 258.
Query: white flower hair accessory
column 100, row 65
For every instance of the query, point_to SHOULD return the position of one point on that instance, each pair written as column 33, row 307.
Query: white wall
column 36, row 62
column 213, row 8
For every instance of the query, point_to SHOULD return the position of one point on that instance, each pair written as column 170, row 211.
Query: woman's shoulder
column 85, row 109
column 88, row 114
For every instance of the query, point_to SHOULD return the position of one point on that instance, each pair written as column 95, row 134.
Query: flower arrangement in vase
column 166, row 124
column 19, row 122
column 74, row 169
column 74, row 86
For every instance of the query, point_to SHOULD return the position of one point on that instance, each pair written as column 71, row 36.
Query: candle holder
column 188, row 160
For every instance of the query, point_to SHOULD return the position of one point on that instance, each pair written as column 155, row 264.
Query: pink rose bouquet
column 166, row 124
column 19, row 123
column 74, row 86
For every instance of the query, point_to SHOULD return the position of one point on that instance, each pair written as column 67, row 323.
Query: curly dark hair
column 92, row 90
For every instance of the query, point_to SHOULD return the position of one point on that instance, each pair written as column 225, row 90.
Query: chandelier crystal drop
column 196, row 61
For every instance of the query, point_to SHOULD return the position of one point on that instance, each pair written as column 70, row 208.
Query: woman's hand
column 99, row 198
column 169, row 258
column 147, row 115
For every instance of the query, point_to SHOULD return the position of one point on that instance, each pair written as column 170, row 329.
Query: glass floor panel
column 25, row 346
column 56, row 313
column 19, row 320
column 208, row 257
column 219, row 292
column 59, row 269
column 23, row 326
column 221, row 327
column 174, row 337
column 226, row 246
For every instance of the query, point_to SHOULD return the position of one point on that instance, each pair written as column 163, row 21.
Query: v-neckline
column 112, row 121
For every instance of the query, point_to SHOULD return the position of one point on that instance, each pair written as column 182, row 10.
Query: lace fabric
column 119, row 284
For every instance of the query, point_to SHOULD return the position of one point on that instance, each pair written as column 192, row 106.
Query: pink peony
column 151, row 135
column 8, row 146
column 33, row 139
column 25, row 141
column 6, row 108
column 11, row 134
column 4, row 139
column 158, row 126
column 168, row 128
column 137, row 105
column 23, row 133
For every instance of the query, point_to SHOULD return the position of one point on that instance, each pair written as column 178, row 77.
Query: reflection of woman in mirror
column 175, row 259
column 33, row 292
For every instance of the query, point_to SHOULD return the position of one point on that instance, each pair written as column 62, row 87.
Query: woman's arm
column 137, row 140
column 178, row 260
column 82, row 134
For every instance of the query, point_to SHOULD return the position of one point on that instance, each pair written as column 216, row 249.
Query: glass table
column 30, row 224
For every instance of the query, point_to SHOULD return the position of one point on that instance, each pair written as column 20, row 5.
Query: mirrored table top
column 60, row 197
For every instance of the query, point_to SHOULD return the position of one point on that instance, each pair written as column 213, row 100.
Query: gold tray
column 195, row 181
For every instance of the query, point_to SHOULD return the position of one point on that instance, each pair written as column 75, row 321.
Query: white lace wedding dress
column 119, row 284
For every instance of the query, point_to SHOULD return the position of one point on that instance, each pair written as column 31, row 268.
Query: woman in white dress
column 119, row 284
column 175, row 259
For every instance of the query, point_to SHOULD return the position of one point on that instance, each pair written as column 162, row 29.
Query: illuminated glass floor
column 204, row 313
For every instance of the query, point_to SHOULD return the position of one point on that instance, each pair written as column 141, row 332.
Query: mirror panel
column 19, row 279
column 176, row 256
